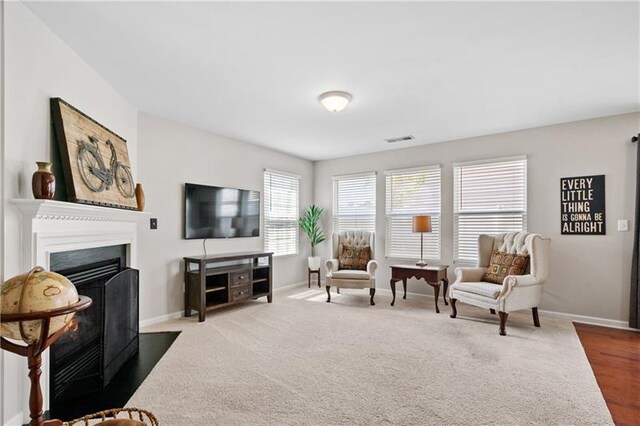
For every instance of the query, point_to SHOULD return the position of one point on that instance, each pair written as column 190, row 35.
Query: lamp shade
column 422, row 224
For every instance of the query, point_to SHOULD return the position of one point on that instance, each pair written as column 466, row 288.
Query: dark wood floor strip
column 124, row 384
column 614, row 356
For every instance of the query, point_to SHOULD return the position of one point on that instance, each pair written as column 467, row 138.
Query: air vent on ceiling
column 400, row 139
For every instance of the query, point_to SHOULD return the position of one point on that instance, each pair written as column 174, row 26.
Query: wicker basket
column 137, row 414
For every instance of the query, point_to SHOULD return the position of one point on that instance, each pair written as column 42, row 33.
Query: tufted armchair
column 517, row 292
column 346, row 278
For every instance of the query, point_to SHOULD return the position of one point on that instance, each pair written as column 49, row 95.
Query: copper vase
column 140, row 197
column 43, row 182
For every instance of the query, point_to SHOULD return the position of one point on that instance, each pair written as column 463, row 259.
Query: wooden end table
column 431, row 274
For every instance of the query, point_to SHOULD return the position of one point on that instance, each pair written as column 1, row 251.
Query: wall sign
column 582, row 205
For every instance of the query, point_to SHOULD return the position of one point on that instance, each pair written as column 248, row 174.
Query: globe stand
column 33, row 351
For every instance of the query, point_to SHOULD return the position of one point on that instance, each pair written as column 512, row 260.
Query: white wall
column 172, row 154
column 38, row 65
column 2, row 381
column 589, row 274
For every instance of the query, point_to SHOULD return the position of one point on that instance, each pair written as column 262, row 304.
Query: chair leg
column 454, row 311
column 372, row 292
column 536, row 318
column 503, row 322
column 493, row 311
column 338, row 290
column 328, row 294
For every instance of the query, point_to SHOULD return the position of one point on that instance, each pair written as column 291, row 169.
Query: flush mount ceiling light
column 335, row 101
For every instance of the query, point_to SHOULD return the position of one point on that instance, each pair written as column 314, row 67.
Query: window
column 490, row 197
column 281, row 211
column 412, row 192
column 354, row 202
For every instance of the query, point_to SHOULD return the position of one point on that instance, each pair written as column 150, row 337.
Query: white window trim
column 336, row 178
column 354, row 175
column 410, row 170
column 490, row 160
column 280, row 172
column 525, row 224
column 297, row 237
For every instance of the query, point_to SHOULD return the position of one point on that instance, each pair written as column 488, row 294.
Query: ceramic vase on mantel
column 140, row 197
column 43, row 182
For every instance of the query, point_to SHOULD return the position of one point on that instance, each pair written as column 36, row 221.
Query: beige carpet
column 303, row 361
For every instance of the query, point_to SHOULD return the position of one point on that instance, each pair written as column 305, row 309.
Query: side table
column 431, row 274
column 314, row 271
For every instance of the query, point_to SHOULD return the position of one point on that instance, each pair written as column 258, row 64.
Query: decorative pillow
column 354, row 258
column 503, row 264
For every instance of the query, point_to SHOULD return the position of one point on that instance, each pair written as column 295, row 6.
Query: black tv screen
column 215, row 212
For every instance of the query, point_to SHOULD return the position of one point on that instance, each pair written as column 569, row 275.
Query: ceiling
column 437, row 71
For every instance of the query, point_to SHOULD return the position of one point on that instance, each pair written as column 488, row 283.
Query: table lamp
column 421, row 224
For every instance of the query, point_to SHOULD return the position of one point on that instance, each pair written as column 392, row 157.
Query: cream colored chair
column 346, row 278
column 517, row 292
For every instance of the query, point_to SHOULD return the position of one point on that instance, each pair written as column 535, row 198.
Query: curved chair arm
column 332, row 265
column 469, row 274
column 511, row 281
column 521, row 280
column 371, row 268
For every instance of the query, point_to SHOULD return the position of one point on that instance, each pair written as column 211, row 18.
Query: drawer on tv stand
column 240, row 278
column 239, row 293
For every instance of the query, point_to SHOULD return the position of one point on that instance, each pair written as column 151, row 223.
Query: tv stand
column 215, row 281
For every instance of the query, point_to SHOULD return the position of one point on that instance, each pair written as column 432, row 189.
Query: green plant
column 309, row 224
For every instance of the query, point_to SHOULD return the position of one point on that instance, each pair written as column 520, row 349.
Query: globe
column 43, row 290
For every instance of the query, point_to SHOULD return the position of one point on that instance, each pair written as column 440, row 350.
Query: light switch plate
column 623, row 225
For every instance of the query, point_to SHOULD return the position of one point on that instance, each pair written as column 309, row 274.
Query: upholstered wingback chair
column 347, row 278
column 516, row 292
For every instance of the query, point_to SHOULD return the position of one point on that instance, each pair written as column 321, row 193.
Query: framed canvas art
column 582, row 205
column 95, row 160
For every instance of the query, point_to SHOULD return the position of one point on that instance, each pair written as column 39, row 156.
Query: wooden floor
column 615, row 359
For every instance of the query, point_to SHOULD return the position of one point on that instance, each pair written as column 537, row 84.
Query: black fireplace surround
column 102, row 338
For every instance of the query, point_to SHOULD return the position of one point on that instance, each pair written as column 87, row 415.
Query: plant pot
column 43, row 183
column 314, row 262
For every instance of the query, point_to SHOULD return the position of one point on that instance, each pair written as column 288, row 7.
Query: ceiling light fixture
column 335, row 101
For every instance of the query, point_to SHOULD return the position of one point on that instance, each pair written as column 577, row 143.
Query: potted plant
column 309, row 224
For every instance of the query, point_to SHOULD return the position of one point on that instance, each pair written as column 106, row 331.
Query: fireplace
column 50, row 227
column 102, row 338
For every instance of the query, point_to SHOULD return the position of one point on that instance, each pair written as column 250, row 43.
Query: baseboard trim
column 179, row 314
column 161, row 318
column 15, row 420
column 289, row 286
column 604, row 322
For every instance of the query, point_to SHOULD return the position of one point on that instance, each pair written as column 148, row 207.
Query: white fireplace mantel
column 61, row 210
column 49, row 226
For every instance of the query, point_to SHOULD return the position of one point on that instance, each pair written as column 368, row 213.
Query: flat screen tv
column 215, row 212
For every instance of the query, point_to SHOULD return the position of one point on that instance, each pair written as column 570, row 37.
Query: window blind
column 410, row 193
column 354, row 202
column 490, row 197
column 281, row 212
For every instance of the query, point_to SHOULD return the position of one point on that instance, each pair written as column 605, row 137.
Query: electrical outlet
column 623, row 225
column 154, row 223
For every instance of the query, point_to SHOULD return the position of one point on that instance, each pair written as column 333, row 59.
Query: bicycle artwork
column 96, row 175
column 95, row 160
